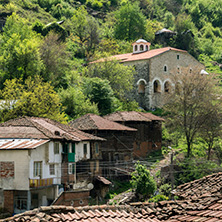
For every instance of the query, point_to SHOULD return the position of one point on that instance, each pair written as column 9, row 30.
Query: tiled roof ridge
column 91, row 115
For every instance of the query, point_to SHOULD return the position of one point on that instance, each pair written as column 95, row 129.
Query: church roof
column 140, row 56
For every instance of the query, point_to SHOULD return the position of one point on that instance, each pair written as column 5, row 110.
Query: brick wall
column 7, row 169
column 73, row 198
column 9, row 200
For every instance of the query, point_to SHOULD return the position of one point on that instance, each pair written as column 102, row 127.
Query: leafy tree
column 142, row 181
column 130, row 22
column 86, row 30
column 120, row 77
column 100, row 93
column 76, row 103
column 55, row 58
column 190, row 104
column 19, row 56
column 33, row 98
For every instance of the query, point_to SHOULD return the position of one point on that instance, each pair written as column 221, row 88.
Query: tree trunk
column 188, row 149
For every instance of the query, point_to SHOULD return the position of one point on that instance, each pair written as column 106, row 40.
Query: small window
column 167, row 87
column 178, row 69
column 141, row 87
column 136, row 48
column 191, row 70
column 141, row 48
column 56, row 148
column 178, row 57
column 85, row 149
column 52, row 169
column 146, row 47
column 156, row 86
column 165, row 68
column 97, row 148
column 65, row 147
column 37, row 169
column 73, row 148
column 71, row 168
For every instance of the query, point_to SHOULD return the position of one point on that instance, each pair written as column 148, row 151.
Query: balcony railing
column 34, row 183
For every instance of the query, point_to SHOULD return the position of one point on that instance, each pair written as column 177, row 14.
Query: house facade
column 39, row 161
column 118, row 146
column 155, row 70
column 148, row 137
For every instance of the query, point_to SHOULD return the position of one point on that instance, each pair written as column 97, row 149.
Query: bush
column 142, row 181
column 158, row 198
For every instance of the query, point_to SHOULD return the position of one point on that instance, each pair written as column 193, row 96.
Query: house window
column 178, row 57
column 52, row 169
column 167, row 87
column 56, row 148
column 97, row 148
column 165, row 68
column 178, row 69
column 65, row 148
column 136, row 48
column 141, row 87
column 146, row 47
column 71, row 168
column 73, row 148
column 156, row 86
column 141, row 47
column 37, row 169
column 191, row 70
column 85, row 149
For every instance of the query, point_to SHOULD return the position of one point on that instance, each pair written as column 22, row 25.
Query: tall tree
column 191, row 104
column 33, row 98
column 19, row 56
column 130, row 22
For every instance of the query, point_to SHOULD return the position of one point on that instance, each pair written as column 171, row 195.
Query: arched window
column 136, row 47
column 165, row 68
column 167, row 87
column 146, row 47
column 141, row 48
column 156, row 86
column 141, row 87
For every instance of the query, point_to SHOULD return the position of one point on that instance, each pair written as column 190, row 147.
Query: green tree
column 130, row 22
column 142, row 181
column 191, row 104
column 33, row 98
column 19, row 56
column 100, row 93
column 120, row 77
column 76, row 103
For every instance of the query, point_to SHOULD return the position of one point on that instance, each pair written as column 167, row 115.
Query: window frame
column 71, row 168
column 37, row 169
column 56, row 148
column 52, row 169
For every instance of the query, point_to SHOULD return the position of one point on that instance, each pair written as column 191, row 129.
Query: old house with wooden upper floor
column 118, row 147
column 40, row 158
column 154, row 71
column 149, row 130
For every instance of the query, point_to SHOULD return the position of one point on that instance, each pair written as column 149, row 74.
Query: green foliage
column 119, row 76
column 193, row 169
column 165, row 189
column 142, row 181
column 130, row 22
column 99, row 92
column 33, row 98
column 158, row 198
column 76, row 103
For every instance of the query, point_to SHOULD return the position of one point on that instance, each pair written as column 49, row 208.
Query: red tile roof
column 201, row 189
column 42, row 128
column 132, row 116
column 103, row 213
column 140, row 56
column 21, row 144
column 95, row 122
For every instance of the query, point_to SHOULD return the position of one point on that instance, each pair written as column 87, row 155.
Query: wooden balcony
column 34, row 183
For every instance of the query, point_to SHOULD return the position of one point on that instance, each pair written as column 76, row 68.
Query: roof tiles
column 42, row 128
column 95, row 122
column 101, row 213
column 140, row 56
column 132, row 116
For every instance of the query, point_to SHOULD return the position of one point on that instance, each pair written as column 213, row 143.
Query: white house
column 38, row 159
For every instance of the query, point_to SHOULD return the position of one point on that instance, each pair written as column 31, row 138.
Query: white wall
column 21, row 169
column 80, row 151
column 45, row 153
